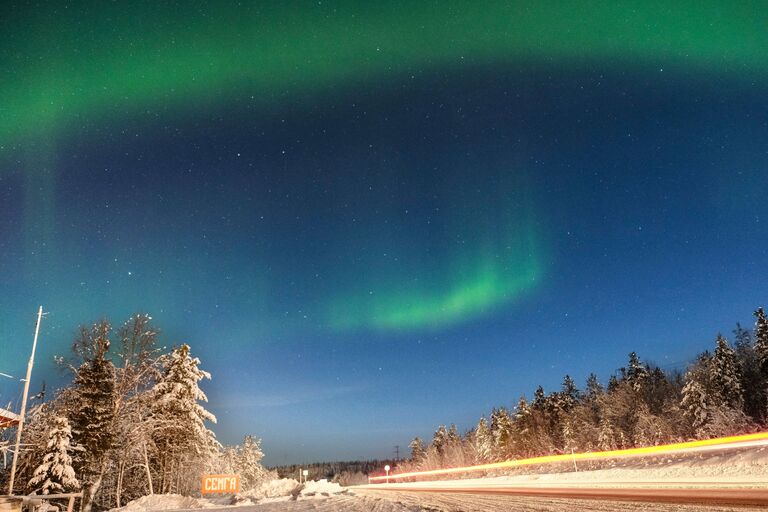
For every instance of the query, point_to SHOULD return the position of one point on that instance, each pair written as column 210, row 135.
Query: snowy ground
column 746, row 469
column 274, row 491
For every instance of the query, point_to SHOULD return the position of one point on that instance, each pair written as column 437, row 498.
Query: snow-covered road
column 396, row 501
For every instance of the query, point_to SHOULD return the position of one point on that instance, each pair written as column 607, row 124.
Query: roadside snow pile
column 278, row 488
column 321, row 488
column 287, row 489
column 281, row 489
column 164, row 502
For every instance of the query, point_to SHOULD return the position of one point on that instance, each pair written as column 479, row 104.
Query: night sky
column 368, row 219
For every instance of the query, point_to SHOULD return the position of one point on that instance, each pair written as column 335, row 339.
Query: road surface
column 580, row 498
column 377, row 500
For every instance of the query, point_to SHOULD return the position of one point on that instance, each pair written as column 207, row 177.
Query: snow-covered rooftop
column 8, row 418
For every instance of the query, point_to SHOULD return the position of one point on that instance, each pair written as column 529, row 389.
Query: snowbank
column 164, row 502
column 322, row 488
column 278, row 488
column 269, row 490
column 272, row 490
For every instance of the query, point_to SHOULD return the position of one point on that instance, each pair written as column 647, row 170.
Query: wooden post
column 24, row 402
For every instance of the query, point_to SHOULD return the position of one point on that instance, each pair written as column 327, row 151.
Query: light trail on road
column 745, row 497
column 722, row 443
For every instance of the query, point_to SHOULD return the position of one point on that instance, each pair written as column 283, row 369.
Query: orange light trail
column 745, row 440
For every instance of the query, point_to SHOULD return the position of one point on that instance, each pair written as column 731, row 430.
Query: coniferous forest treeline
column 723, row 392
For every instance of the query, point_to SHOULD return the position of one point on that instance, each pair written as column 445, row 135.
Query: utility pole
column 24, row 401
column 397, row 452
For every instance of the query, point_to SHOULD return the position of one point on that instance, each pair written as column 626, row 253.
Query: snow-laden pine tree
column 695, row 402
column 418, row 451
column 761, row 340
column 636, row 372
column 178, row 420
column 249, row 466
column 502, row 432
column 569, row 396
column 569, row 442
column 440, row 439
column 522, row 411
column 751, row 377
column 453, row 434
column 539, row 398
column 483, row 443
column 594, row 388
column 607, row 437
column 454, row 454
column 225, row 462
column 726, row 377
column 93, row 409
column 55, row 474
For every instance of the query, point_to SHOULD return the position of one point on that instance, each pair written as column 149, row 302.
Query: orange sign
column 220, row 484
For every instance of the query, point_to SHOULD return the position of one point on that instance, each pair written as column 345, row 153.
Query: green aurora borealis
column 76, row 68
column 368, row 218
column 77, row 64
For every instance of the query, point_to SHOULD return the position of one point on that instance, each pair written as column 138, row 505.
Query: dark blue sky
column 359, row 263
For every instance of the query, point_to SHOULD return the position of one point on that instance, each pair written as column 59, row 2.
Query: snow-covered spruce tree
column 178, row 420
column 501, row 431
column 585, row 422
column 636, row 372
column 522, row 424
column 761, row 340
column 751, row 378
column 649, row 429
column 695, row 402
column 529, row 429
column 249, row 466
column 619, row 406
column 483, row 442
column 591, row 400
column 456, row 452
column 607, row 437
column 712, row 394
column 440, row 439
column 761, row 351
column 226, row 461
column 569, row 396
column 569, row 442
column 453, row 434
column 55, row 475
column 446, row 447
column 659, row 393
column 93, row 408
column 418, row 451
column 34, row 438
column 594, row 388
column 726, row 377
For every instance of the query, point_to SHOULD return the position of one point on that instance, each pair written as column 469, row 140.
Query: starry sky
column 371, row 218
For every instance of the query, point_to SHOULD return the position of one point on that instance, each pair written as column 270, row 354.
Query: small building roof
column 8, row 418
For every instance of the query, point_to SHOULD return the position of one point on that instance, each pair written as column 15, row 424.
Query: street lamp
column 386, row 468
